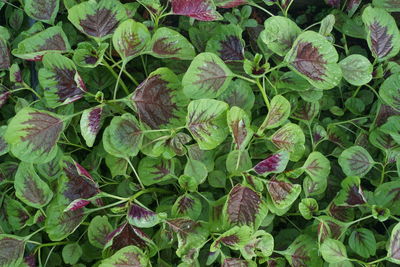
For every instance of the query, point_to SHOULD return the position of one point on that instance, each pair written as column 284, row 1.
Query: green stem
column 50, row 245
column 382, row 174
column 34, row 233
column 118, row 80
column 245, row 78
column 75, row 145
column 26, row 88
column 376, row 261
column 105, row 64
column 264, row 94
column 126, row 73
column 273, row 86
column 134, row 170
column 356, row 92
column 288, row 7
column 106, row 206
column 359, row 220
column 261, row 8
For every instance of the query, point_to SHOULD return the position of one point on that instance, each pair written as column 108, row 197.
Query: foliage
column 199, row 133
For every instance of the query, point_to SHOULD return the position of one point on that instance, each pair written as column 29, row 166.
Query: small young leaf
column 351, row 193
column 89, row 56
column 239, row 125
column 333, row 251
column 71, row 253
column 356, row 161
column 277, row 115
column 276, row 163
column 307, row 207
column 142, row 217
column 91, row 122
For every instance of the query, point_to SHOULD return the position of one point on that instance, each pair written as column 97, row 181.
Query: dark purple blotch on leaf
column 269, row 164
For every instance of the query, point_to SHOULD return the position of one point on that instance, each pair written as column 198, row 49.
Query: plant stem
column 264, row 94
column 26, row 88
column 50, row 245
column 105, row 64
column 261, row 8
column 118, row 79
column 134, row 170
column 288, row 7
column 245, row 78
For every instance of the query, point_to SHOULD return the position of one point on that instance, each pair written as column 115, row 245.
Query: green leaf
column 333, row 251
column 315, row 59
column 130, row 256
column 277, row 114
column 60, row 80
column 356, row 161
column 394, row 245
column 123, row 137
column 317, row 166
column 235, row 238
column 362, row 241
column 71, row 253
column 288, row 137
column 282, row 193
column 356, row 69
column 239, row 94
column 29, row 188
column 206, row 121
column 389, row 5
column 227, row 43
column 238, row 161
column 130, row 39
column 239, row 126
column 17, row 216
column 89, row 56
column 43, row 10
column 279, row 34
column 52, row 39
column 187, row 206
column 307, row 208
column 390, row 90
column 383, row 36
column 167, row 43
column 4, row 147
column 97, row 19
column 117, row 166
column 142, row 217
column 98, row 231
column 11, row 250
column 327, row 25
column 196, row 169
column 306, row 111
column 155, row 170
column 261, row 244
column 206, row 77
column 33, row 135
column 303, row 251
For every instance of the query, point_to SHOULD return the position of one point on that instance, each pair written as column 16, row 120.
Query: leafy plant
column 199, row 133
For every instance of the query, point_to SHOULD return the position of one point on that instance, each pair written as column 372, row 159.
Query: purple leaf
column 199, row 9
column 275, row 163
column 4, row 55
column 279, row 190
column 127, row 235
column 3, row 98
column 309, row 61
column 77, row 204
column 380, row 39
column 44, row 10
column 231, row 48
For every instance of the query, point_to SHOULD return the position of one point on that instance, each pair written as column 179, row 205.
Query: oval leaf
column 356, row 161
column 43, row 10
column 142, row 217
column 277, row 114
column 275, row 163
column 356, row 69
column 90, row 124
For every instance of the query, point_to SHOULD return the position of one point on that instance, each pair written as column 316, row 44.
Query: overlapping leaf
column 276, row 163
column 43, row 10
column 390, row 90
column 239, row 126
column 227, row 43
column 204, row 10
column 155, row 170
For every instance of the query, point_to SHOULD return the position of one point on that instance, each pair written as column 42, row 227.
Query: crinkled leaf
column 130, row 256
column 279, row 34
column 60, row 80
column 227, row 43
column 283, row 193
column 142, row 217
column 52, row 39
column 206, row 121
column 130, row 39
column 356, row 69
column 333, row 251
column 159, row 100
column 356, row 161
column 239, row 126
column 362, row 241
column 276, row 163
column 167, row 43
column 187, row 206
column 315, row 59
column 11, row 250
column 33, row 135
column 204, row 10
column 206, row 77
column 317, row 166
column 390, row 91
column 43, row 10
column 155, row 170
column 98, row 231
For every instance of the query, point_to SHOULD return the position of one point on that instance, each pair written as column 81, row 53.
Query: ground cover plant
column 199, row 133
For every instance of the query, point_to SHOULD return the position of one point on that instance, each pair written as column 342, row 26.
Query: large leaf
column 98, row 231
column 43, row 10
column 159, row 100
column 204, row 10
column 276, row 163
column 206, row 121
column 288, row 137
column 279, row 34
column 356, row 69
column 317, row 166
column 239, row 126
column 29, row 188
column 362, row 241
column 389, row 5
column 90, row 124
column 244, row 206
column 238, row 94
column 390, row 91
column 97, row 19
column 167, row 43
column 155, row 170
column 33, row 135
column 394, row 245
column 130, row 39
column 207, row 77
column 11, row 250
column 283, row 193
column 61, row 82
column 130, row 256
column 227, row 43
column 383, row 35
column 277, row 114
column 123, row 137
column 356, row 161
column 52, row 39
column 315, row 58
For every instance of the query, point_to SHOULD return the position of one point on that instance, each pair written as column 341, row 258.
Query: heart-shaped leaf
column 204, row 10
column 206, row 121
column 61, row 82
column 167, row 43
column 227, row 43
column 276, row 163
column 356, row 161
column 159, row 100
column 11, row 250
column 91, row 122
column 187, row 206
column 288, row 137
column 317, row 166
column 29, row 188
column 389, row 5
column 239, row 126
column 279, row 34
column 207, row 77
column 43, row 10
column 155, row 170
column 383, row 35
column 315, row 58
column 356, row 69
column 351, row 193
column 130, row 256
column 390, row 90
column 142, row 217
column 33, row 135
column 52, row 39
column 277, row 114
column 283, row 193
column 97, row 19
column 130, row 39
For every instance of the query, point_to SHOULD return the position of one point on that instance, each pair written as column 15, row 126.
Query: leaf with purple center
column 206, row 121
column 43, row 10
column 206, row 77
column 283, row 193
column 88, row 56
column 155, row 170
column 187, row 206
column 97, row 19
column 5, row 60
column 60, row 80
column 239, row 126
column 315, row 59
column 276, row 163
column 308, row 207
column 356, row 161
column 142, row 217
column 33, row 135
column 33, row 48
column 351, row 193
column 203, row 10
column 167, row 43
column 90, row 124
column 303, row 251
column 362, row 241
column 130, row 39
column 11, row 250
column 227, row 43
column 317, row 166
column 235, row 238
column 17, row 215
column 306, row 111
column 261, row 244
column 288, row 137
column 383, row 36
column 278, row 113
column 130, row 256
